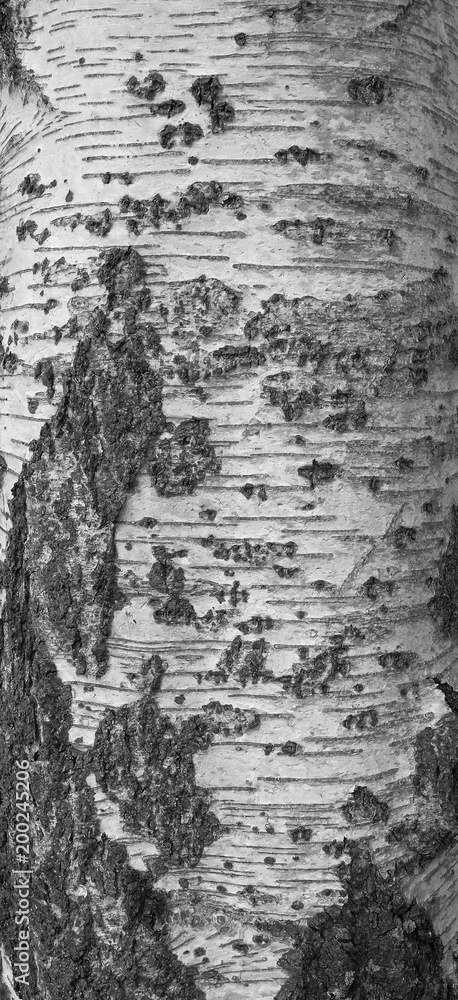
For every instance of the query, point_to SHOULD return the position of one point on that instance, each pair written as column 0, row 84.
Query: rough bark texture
column 230, row 514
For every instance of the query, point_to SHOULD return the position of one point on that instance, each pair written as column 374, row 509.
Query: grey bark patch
column 364, row 806
column 444, row 604
column 376, row 945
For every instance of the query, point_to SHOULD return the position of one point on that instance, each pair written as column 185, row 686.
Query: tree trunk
column 230, row 352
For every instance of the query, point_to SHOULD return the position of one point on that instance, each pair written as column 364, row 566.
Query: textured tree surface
column 229, row 319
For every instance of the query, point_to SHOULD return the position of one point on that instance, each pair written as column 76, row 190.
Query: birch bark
column 229, row 405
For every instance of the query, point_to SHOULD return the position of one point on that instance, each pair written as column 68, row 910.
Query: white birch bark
column 331, row 567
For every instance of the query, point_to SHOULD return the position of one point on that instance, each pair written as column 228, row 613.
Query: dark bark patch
column 420, row 844
column 301, row 835
column 12, row 25
column 436, row 774
column 374, row 588
column 375, row 484
column 281, row 390
column 182, row 458
column 444, row 605
column 368, row 89
column 8, row 360
column 197, row 199
column 404, row 464
column 80, row 949
column 166, row 578
column 376, row 945
column 404, row 536
column 102, row 432
column 302, row 155
column 318, row 670
column 207, row 514
column 398, row 22
column 152, row 85
column 122, row 268
column 44, row 370
column 32, row 186
column 255, row 553
column 164, row 802
column 29, row 228
column 177, row 610
column 364, row 806
column 168, row 109
column 363, row 720
column 207, row 91
column 304, row 9
column 99, row 225
column 232, row 358
column 244, row 661
column 82, row 279
column 221, row 116
column 188, row 132
column 318, row 473
column 229, row 721
column 288, row 749
column 398, row 660
column 449, row 693
column 352, row 419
